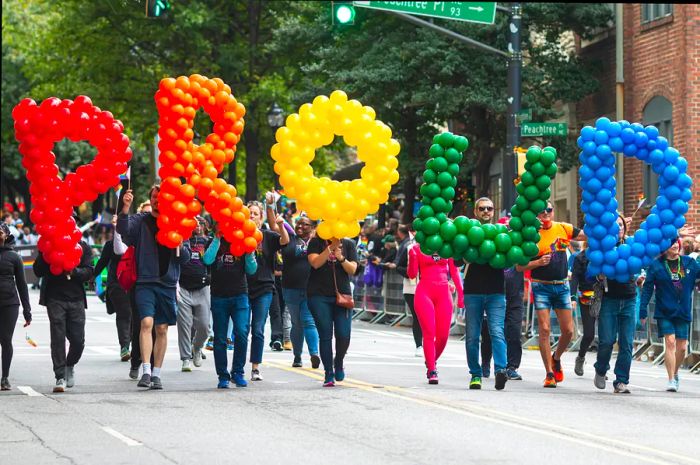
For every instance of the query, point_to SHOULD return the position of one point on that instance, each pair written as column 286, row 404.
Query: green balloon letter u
column 466, row 238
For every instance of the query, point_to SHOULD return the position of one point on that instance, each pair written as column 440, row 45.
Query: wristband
column 344, row 260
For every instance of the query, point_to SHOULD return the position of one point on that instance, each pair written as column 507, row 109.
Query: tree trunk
column 252, row 153
column 250, row 135
column 409, row 189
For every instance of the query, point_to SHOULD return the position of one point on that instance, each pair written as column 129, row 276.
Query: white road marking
column 29, row 391
column 127, row 440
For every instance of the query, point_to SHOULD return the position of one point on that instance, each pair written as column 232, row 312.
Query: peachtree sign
column 475, row 12
column 528, row 129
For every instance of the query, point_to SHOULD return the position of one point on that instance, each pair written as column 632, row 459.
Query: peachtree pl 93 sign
column 475, row 12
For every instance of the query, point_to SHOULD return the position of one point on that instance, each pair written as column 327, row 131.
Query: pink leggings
column 433, row 304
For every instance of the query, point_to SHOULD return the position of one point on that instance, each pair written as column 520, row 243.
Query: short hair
column 154, row 187
column 255, row 203
column 482, row 199
column 403, row 229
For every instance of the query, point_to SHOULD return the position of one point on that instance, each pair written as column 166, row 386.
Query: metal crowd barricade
column 694, row 341
column 394, row 304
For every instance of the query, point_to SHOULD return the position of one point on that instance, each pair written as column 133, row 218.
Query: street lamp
column 275, row 119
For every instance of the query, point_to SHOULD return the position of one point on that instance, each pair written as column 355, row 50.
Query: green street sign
column 524, row 115
column 474, row 12
column 528, row 129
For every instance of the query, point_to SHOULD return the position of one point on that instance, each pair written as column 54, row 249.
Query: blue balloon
column 646, row 261
column 627, row 135
column 603, row 173
column 601, row 137
column 616, row 144
column 665, row 244
column 642, row 154
column 595, row 257
column 624, row 251
column 663, row 182
column 594, row 185
column 594, row 162
column 590, row 220
column 641, row 139
column 671, row 173
column 611, row 257
column 672, row 192
column 584, row 205
column 679, row 222
column 614, row 129
column 661, row 143
column 668, row 231
column 609, row 161
column 651, row 145
column 670, row 155
column 686, row 194
column 662, row 203
column 587, row 197
column 608, row 270
column 587, row 133
column 653, row 221
column 679, row 207
column 666, row 216
column 579, row 142
column 629, row 150
column 682, row 165
column 624, row 124
column 582, row 158
column 621, row 268
column 599, row 232
column 658, row 168
column 585, row 172
column 612, row 205
column 608, row 242
column 602, row 123
column 603, row 151
column 608, row 218
column 655, row 236
column 589, row 147
column 634, row 264
column 655, row 156
column 603, row 196
column 593, row 271
column 636, row 127
column 596, row 208
column 641, row 236
column 593, row 243
column 652, row 250
column 638, row 249
column 652, row 131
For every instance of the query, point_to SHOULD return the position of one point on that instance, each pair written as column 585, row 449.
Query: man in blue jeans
column 484, row 291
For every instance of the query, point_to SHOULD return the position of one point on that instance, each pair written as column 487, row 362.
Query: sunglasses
column 548, row 210
column 485, row 209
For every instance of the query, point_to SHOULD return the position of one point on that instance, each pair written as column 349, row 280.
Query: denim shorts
column 156, row 302
column 675, row 326
column 551, row 296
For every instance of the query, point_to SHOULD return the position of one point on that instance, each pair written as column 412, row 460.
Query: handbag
column 126, row 269
column 597, row 298
column 342, row 300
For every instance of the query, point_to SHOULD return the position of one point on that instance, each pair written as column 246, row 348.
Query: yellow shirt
column 548, row 237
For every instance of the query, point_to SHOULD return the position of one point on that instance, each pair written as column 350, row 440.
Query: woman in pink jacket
column 433, row 302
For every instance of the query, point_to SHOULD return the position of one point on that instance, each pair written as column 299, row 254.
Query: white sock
column 146, row 368
column 156, row 371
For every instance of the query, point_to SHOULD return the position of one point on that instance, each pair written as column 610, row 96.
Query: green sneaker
column 475, row 383
column 125, row 355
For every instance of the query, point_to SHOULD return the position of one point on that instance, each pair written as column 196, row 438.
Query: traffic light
column 343, row 13
column 157, row 8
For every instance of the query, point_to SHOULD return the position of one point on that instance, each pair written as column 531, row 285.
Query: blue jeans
column 303, row 325
column 330, row 317
column 495, row 307
column 260, row 308
column 616, row 321
column 551, row 296
column 223, row 310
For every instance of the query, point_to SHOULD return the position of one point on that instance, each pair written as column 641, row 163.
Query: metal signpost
column 474, row 12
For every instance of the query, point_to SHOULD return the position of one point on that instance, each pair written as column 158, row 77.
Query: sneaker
column 677, row 380
column 432, row 377
column 339, row 371
column 329, row 380
column 578, row 367
column 419, row 351
column 155, row 383
column 60, row 385
column 297, row 362
column 621, row 388
column 5, row 384
column 223, row 384
column 145, row 381
column 486, row 373
column 210, row 344
column 475, row 382
column 239, row 379
column 501, row 378
column 255, row 375
column 513, row 375
column 315, row 361
column 134, row 373
column 599, row 381
column 277, row 346
column 197, row 358
column 125, row 354
column 558, row 372
column 187, row 365
column 670, row 387
column 550, row 381
column 70, row 377
column 287, row 345
column 229, row 344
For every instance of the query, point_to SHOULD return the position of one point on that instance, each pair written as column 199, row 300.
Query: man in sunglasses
column 550, row 288
column 484, row 292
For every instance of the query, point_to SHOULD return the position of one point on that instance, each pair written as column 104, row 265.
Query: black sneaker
column 501, row 378
column 297, row 362
column 5, row 384
column 145, row 381
column 155, row 383
column 315, row 361
column 134, row 373
column 277, row 346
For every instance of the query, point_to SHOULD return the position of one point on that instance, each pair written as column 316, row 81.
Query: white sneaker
column 60, row 385
column 419, row 351
column 187, row 365
column 677, row 380
column 197, row 358
column 671, row 386
column 255, row 375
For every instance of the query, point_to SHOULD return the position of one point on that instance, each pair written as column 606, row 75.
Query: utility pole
column 515, row 65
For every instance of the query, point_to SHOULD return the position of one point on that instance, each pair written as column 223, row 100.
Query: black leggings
column 588, row 330
column 417, row 333
column 8, row 320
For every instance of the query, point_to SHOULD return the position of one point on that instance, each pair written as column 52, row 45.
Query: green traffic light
column 344, row 14
column 157, row 8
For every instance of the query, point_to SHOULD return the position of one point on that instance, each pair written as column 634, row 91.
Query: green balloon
column 429, row 176
column 461, row 143
column 528, row 217
column 515, row 223
column 515, row 237
column 529, row 233
column 441, row 217
column 538, row 206
column 439, row 205
column 515, row 254
column 453, row 169
column 520, row 188
column 436, row 139
column 475, row 223
column 448, row 193
column 426, row 211
column 453, row 183
column 543, row 182
column 445, row 178
column 481, row 260
column 545, row 194
column 426, row 250
column 471, row 254
column 527, row 166
column 431, row 190
column 419, row 237
column 527, row 178
column 434, row 242
column 551, row 170
column 436, row 150
column 452, row 155
column 532, row 193
column 460, row 243
column 515, row 211
column 501, row 228
column 463, row 224
column 448, row 230
column 503, row 242
column 430, row 226
column 438, row 164
column 476, row 236
column 549, row 148
column 498, row 261
column 487, row 249
column 446, row 251
column 548, row 158
column 537, row 224
column 533, row 154
column 530, row 249
column 417, row 224
column 522, row 203
column 537, row 169
column 447, row 139
column 489, row 230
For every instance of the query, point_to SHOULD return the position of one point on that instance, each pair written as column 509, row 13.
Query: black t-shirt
column 296, row 268
column 483, row 279
column 321, row 279
column 195, row 274
column 264, row 278
column 228, row 276
column 163, row 251
column 556, row 270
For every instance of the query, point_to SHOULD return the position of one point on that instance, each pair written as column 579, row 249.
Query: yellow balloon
column 324, row 231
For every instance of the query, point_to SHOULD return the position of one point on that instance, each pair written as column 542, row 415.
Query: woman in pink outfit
column 433, row 302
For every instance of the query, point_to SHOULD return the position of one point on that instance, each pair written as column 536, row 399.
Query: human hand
column 686, row 231
column 127, row 200
column 452, row 288
column 640, row 281
column 269, row 198
column 544, row 260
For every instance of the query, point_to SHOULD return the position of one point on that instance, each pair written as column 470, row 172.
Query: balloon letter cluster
column 37, row 129
column 468, row 238
column 597, row 179
column 177, row 101
column 339, row 204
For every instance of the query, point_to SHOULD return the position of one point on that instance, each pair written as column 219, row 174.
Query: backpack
column 126, row 269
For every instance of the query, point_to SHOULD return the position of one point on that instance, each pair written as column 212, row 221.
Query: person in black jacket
column 12, row 283
column 65, row 301
column 409, row 286
column 582, row 290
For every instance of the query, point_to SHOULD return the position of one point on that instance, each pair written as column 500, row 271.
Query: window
column 654, row 11
column 658, row 112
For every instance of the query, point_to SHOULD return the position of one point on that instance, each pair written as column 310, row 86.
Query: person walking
column 155, row 292
column 582, row 292
column 65, row 301
column 13, row 290
column 332, row 263
column 403, row 233
column 673, row 277
column 194, row 301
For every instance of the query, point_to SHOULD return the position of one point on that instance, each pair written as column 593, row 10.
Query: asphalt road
column 384, row 413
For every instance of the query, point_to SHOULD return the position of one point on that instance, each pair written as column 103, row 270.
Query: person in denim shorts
column 550, row 288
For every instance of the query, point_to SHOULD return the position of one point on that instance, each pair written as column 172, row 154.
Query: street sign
column 474, row 12
column 524, row 115
column 529, row 129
